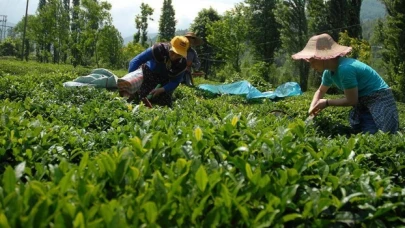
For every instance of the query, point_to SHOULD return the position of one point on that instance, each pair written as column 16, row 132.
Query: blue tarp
column 244, row 87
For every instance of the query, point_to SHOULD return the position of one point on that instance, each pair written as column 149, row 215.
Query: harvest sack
column 99, row 78
column 130, row 83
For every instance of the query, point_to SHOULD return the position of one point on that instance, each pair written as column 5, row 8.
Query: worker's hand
column 321, row 104
column 156, row 92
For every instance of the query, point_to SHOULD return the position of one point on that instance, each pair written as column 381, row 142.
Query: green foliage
column 130, row 51
column 228, row 36
column 109, row 47
column 200, row 27
column 85, row 157
column 344, row 15
column 93, row 16
column 141, row 23
column 317, row 17
column 392, row 36
column 51, row 28
column 262, row 75
column 167, row 22
column 15, row 68
column 226, row 73
column 294, row 32
column 8, row 48
column 361, row 49
column 262, row 26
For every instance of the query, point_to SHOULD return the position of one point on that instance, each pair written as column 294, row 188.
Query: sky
column 123, row 11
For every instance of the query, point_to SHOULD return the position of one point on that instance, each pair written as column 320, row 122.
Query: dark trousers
column 188, row 79
column 150, row 81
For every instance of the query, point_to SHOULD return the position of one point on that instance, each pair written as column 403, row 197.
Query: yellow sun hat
column 180, row 45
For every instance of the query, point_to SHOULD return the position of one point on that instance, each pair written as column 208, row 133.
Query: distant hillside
column 151, row 36
column 128, row 39
column 371, row 10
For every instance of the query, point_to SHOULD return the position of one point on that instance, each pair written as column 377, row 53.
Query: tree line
column 258, row 35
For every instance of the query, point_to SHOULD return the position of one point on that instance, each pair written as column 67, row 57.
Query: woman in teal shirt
column 373, row 103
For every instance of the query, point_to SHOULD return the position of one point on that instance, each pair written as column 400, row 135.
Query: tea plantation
column 84, row 157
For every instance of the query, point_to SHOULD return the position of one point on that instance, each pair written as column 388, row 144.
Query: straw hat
column 180, row 45
column 322, row 47
column 197, row 40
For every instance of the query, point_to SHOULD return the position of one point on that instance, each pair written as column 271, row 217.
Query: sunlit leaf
column 79, row 220
column 201, row 178
column 248, row 171
column 235, row 120
column 3, row 221
column 198, row 133
column 290, row 217
column 9, row 180
column 151, row 211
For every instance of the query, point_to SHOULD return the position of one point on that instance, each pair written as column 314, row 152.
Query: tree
column 393, row 39
column 345, row 15
column 263, row 29
column 200, row 27
column 141, row 23
column 75, row 34
column 167, row 22
column 57, row 28
column 229, row 35
column 318, row 17
column 43, row 31
column 291, row 16
column 30, row 35
column 41, row 4
column 109, row 46
column 93, row 16
column 66, row 13
column 66, row 4
column 353, row 17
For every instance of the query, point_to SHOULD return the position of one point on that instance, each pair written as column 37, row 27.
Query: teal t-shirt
column 352, row 73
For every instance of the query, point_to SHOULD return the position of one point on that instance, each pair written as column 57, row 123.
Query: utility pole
column 3, row 20
column 25, row 28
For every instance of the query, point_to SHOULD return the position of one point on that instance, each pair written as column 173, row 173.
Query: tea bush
column 86, row 157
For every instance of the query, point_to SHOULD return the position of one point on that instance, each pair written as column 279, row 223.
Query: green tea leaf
column 151, row 211
column 201, row 178
column 121, row 170
column 248, row 169
column 9, row 180
column 107, row 213
column 290, row 217
column 198, row 133
column 83, row 162
column 3, row 221
column 137, row 146
column 79, row 221
column 293, row 176
column 226, row 196
column 135, row 173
